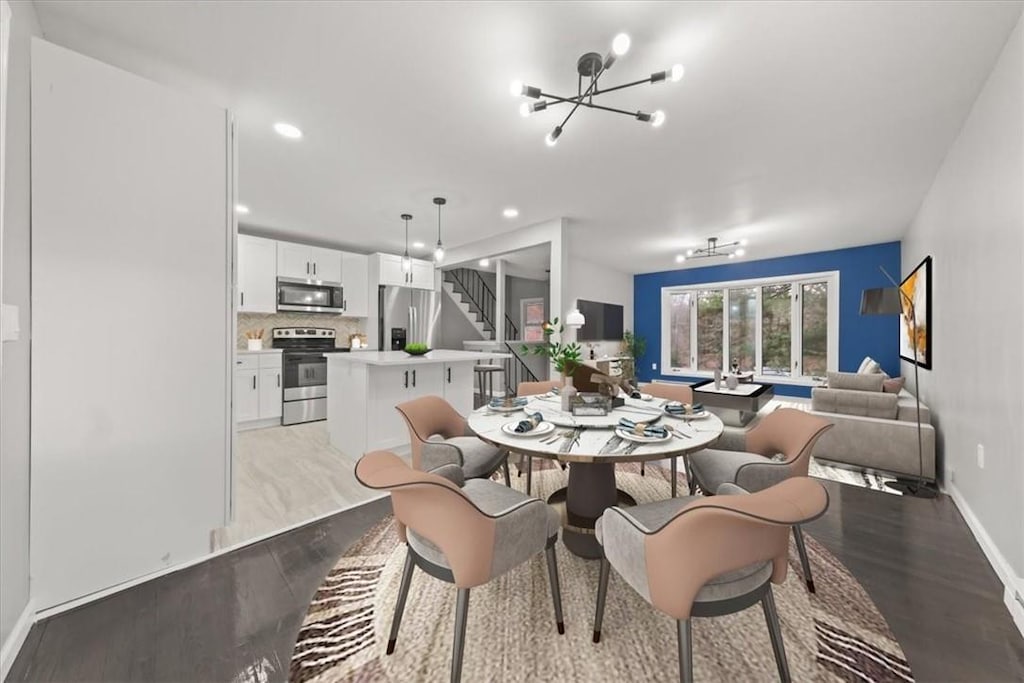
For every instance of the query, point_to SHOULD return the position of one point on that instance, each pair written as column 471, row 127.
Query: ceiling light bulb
column 241, row 209
column 552, row 137
column 287, row 130
column 485, row 262
column 510, row 212
column 620, row 45
column 439, row 253
column 406, row 263
column 525, row 109
column 689, row 252
column 743, row 243
column 516, row 88
column 676, row 73
column 741, row 252
column 418, row 245
column 680, row 258
column 657, row 118
column 732, row 255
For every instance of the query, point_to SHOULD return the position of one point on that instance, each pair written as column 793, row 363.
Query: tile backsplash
column 268, row 321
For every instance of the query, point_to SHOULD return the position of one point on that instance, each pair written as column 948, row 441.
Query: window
column 531, row 315
column 785, row 327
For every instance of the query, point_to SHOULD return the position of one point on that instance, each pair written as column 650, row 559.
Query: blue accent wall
column 859, row 336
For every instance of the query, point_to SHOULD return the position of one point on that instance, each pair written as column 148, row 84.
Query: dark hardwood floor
column 235, row 617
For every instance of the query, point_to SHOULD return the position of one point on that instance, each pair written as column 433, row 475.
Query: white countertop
column 402, row 358
column 246, row 352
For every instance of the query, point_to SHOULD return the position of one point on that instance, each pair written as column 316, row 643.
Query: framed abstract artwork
column 916, row 321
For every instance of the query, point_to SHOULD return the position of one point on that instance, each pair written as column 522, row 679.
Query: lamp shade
column 881, row 301
column 575, row 319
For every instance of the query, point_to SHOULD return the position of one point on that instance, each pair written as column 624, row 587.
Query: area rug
column 835, row 635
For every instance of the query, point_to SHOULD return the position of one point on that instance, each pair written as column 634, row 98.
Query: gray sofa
column 873, row 429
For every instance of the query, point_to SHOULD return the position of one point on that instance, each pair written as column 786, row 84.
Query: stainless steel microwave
column 301, row 295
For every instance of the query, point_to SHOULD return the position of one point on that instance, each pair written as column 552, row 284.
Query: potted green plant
column 633, row 345
column 565, row 356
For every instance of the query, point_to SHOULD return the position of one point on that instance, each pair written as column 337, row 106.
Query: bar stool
column 485, row 378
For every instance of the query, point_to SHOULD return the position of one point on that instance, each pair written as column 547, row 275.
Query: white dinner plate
column 638, row 438
column 505, row 409
column 540, row 430
column 693, row 416
column 646, row 397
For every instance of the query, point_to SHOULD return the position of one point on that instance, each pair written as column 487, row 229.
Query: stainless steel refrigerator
column 407, row 315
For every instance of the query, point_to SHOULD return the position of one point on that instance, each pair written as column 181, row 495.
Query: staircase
column 474, row 296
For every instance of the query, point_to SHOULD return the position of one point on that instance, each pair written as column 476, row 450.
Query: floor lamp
column 888, row 301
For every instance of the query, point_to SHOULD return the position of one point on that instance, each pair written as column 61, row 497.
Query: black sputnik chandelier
column 590, row 68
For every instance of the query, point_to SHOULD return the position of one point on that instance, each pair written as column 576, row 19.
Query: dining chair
column 681, row 393
column 706, row 557
column 465, row 532
column 533, row 389
column 777, row 448
column 438, row 436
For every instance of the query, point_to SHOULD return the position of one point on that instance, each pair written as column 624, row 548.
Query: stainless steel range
column 305, row 371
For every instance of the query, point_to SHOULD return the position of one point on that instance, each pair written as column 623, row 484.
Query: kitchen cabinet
column 457, row 382
column 308, row 263
column 257, row 397
column 257, row 274
column 247, row 395
column 355, row 280
column 389, row 272
column 422, row 274
column 269, row 383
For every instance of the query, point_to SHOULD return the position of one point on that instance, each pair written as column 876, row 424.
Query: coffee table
column 593, row 455
column 737, row 407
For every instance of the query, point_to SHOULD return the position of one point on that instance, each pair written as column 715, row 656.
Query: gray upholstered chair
column 463, row 532
column 705, row 557
column 778, row 448
column 438, row 436
column 533, row 389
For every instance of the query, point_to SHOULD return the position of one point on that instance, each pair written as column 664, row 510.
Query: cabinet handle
column 449, row 375
column 307, row 267
column 254, row 382
column 243, row 298
column 344, row 303
column 314, row 267
column 406, row 379
column 279, row 380
column 414, row 378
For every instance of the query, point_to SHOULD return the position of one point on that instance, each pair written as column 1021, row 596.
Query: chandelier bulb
column 657, row 118
column 676, row 73
column 620, row 45
column 552, row 137
column 516, row 88
column 525, row 109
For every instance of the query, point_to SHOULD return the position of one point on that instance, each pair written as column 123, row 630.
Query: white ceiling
column 799, row 126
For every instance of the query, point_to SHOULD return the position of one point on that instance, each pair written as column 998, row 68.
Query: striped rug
column 835, row 635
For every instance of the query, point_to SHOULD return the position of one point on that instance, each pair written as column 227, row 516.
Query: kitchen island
column 363, row 389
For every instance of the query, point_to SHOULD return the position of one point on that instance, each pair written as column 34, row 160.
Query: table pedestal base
column 590, row 492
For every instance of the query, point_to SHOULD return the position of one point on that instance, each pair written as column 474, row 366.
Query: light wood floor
column 286, row 476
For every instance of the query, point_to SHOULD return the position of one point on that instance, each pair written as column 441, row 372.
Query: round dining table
column 592, row 447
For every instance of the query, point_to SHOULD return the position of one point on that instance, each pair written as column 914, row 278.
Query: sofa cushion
column 893, row 385
column 869, row 366
column 855, row 381
column 907, row 407
column 848, row 402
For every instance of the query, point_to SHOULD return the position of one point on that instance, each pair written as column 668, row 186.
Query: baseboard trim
column 100, row 594
column 12, row 646
column 1013, row 585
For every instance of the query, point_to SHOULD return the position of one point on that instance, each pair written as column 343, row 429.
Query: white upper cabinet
column 422, row 274
column 355, row 281
column 389, row 272
column 257, row 273
column 326, row 264
column 294, row 260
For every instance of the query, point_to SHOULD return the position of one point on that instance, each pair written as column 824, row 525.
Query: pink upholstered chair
column 463, row 532
column 533, row 389
column 787, row 435
column 703, row 557
column 438, row 436
column 681, row 393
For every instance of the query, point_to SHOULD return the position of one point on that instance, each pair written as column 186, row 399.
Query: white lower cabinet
column 457, row 382
column 392, row 385
column 258, row 381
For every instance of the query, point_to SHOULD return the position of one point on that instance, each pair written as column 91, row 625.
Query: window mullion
column 758, row 332
column 693, row 330
column 796, row 331
column 725, row 330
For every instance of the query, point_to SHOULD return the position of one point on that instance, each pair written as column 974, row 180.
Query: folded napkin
column 676, row 408
column 513, row 402
column 530, row 423
column 643, row 428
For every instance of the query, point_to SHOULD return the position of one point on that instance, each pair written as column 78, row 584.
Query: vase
column 718, row 379
column 568, row 391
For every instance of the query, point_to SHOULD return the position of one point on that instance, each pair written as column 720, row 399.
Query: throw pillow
column 893, row 385
column 869, row 366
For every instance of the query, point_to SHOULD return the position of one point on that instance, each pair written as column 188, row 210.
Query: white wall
column 14, row 414
column 972, row 223
column 593, row 282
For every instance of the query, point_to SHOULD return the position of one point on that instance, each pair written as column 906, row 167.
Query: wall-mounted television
column 604, row 321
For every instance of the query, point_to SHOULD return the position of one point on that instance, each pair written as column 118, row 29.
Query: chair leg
column 675, row 473
column 504, row 467
column 642, row 470
column 772, row 617
column 602, row 593
column 459, row 646
column 403, row 593
column 684, row 635
column 691, row 481
column 798, row 536
column 529, row 473
column 556, row 591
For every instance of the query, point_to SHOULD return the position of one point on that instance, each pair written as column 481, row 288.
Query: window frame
column 796, row 282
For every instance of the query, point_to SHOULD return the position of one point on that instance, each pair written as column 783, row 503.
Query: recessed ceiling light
column 680, row 258
column 418, row 245
column 287, row 130
column 241, row 209
column 485, row 262
column 510, row 212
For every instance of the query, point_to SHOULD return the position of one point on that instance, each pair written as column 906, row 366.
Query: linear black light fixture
column 592, row 66
column 730, row 249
